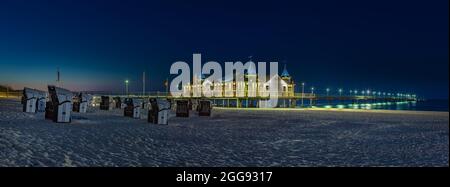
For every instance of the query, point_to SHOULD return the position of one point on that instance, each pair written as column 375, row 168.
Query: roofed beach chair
column 159, row 111
column 60, row 105
column 137, row 107
column 128, row 110
column 33, row 100
column 133, row 108
column 105, row 103
column 182, row 108
column 205, row 107
column 117, row 102
column 80, row 103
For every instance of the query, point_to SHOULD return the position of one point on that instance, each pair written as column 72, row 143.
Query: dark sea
column 425, row 105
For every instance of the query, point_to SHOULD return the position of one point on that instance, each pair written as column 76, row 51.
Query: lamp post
column 328, row 97
column 303, row 92
column 143, row 84
column 310, row 100
column 126, row 87
column 351, row 97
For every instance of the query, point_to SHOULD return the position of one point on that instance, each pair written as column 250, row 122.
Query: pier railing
column 157, row 94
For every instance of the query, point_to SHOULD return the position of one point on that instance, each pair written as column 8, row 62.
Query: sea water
column 423, row 105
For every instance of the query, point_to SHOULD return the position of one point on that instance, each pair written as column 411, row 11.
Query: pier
column 284, row 101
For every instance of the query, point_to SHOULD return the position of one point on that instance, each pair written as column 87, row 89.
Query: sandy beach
column 231, row 137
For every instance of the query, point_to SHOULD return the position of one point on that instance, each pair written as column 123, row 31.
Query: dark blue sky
column 382, row 45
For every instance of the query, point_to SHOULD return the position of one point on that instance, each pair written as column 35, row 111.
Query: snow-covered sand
column 230, row 137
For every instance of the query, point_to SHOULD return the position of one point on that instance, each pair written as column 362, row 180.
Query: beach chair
column 128, row 110
column 80, row 103
column 105, row 103
column 204, row 108
column 133, row 108
column 182, row 108
column 170, row 103
column 159, row 111
column 117, row 102
column 152, row 116
column 61, row 105
column 84, row 103
column 76, row 103
column 195, row 105
column 137, row 107
column 49, row 110
column 33, row 100
column 41, row 101
column 29, row 100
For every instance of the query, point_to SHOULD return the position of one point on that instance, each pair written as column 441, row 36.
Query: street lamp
column 328, row 98
column 310, row 99
column 126, row 86
column 303, row 92
column 340, row 91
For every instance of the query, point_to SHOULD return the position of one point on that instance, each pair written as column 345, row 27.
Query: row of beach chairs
column 62, row 102
column 158, row 109
column 203, row 107
column 57, row 103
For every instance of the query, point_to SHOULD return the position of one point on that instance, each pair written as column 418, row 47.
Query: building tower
column 288, row 79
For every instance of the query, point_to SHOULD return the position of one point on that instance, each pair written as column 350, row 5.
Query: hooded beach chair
column 204, row 108
column 128, row 110
column 33, row 100
column 117, row 102
column 41, row 102
column 137, row 107
column 60, row 105
column 80, row 103
column 159, row 111
column 105, row 103
column 182, row 108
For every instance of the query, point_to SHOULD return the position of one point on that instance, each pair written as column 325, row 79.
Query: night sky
column 393, row 46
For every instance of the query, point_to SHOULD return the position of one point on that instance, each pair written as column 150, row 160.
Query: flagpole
column 57, row 77
column 143, row 83
column 167, row 86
